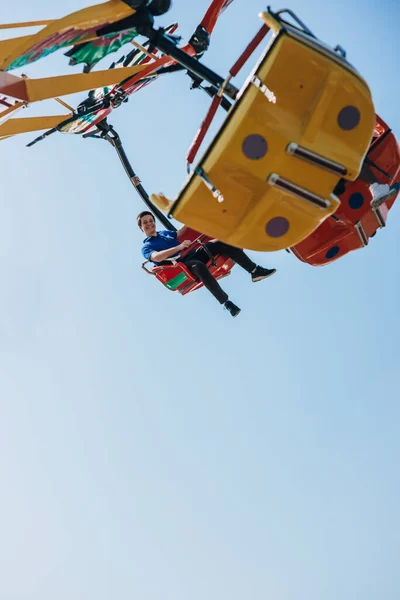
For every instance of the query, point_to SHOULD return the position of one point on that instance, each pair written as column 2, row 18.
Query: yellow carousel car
column 302, row 121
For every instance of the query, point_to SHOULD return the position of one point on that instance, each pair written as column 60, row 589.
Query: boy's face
column 148, row 225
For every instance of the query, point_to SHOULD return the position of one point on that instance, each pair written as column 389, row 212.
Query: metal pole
column 113, row 138
column 161, row 41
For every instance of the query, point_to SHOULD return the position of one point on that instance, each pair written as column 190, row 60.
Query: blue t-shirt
column 162, row 241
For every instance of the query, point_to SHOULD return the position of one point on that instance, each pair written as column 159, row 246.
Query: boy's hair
column 141, row 215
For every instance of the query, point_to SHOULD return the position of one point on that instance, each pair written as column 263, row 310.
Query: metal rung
column 296, row 190
column 379, row 217
column 316, row 159
column 361, row 234
column 209, row 184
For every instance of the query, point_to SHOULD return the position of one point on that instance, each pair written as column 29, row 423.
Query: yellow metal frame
column 6, row 114
column 81, row 21
column 26, row 24
column 261, row 197
column 27, row 91
column 34, row 90
column 27, row 125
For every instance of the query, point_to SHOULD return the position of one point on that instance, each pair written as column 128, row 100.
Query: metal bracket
column 269, row 94
column 294, row 17
column 340, row 50
column 361, row 233
column 209, row 184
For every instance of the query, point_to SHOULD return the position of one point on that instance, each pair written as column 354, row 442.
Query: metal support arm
column 108, row 133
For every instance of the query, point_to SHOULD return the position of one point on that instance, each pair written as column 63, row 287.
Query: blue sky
column 151, row 446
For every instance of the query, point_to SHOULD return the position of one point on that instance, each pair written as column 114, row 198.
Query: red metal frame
column 198, row 140
column 260, row 35
column 166, row 273
column 204, row 127
column 339, row 235
column 213, row 12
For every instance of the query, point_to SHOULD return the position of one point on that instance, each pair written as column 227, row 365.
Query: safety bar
column 173, row 260
column 145, row 269
column 190, row 248
column 294, row 17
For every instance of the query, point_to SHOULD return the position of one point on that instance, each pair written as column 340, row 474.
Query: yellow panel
column 311, row 100
column 12, row 48
column 33, row 90
column 81, row 20
column 8, row 112
column 62, row 85
column 26, row 24
column 29, row 124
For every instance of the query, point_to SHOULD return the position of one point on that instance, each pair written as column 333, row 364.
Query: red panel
column 213, row 12
column 333, row 239
column 165, row 273
column 11, row 85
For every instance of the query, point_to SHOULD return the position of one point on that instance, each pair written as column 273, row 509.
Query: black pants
column 196, row 261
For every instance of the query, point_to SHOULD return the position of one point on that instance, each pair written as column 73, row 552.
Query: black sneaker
column 232, row 308
column 261, row 273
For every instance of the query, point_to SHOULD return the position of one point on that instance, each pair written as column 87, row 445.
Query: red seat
column 177, row 277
